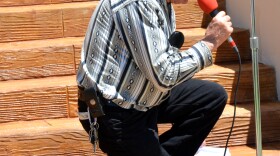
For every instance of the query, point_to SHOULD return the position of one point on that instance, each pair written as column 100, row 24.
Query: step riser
column 228, row 79
column 9, row 3
column 37, row 59
column 42, row 61
column 46, row 140
column 43, row 22
column 61, row 137
column 244, row 129
column 43, row 103
column 64, row 101
column 36, row 63
column 224, row 53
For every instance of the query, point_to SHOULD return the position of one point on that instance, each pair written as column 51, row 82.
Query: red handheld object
column 208, row 5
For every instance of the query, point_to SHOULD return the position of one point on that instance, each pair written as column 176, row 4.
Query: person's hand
column 219, row 29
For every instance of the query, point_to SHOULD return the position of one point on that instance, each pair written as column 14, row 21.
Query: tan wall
column 267, row 27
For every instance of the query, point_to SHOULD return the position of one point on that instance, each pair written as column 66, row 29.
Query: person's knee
column 219, row 93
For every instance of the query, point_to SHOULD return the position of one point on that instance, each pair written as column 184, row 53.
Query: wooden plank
column 68, row 19
column 44, row 137
column 35, row 59
column 60, row 136
column 34, row 99
column 77, row 49
column 269, row 149
column 191, row 16
column 226, row 75
column 244, row 129
column 40, row 59
column 30, row 24
column 42, row 21
column 224, row 53
column 221, row 55
column 72, row 92
column 9, row 3
column 75, row 20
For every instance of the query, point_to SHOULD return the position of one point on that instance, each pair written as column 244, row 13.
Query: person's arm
column 144, row 30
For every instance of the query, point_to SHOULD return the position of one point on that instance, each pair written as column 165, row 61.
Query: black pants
column 193, row 108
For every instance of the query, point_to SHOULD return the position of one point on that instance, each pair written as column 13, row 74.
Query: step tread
column 244, row 127
column 68, row 20
column 60, row 6
column 42, row 58
column 34, row 99
column 224, row 53
column 44, row 137
column 33, row 2
column 65, row 131
column 45, row 21
column 33, row 44
column 61, row 92
column 268, row 149
column 33, row 84
column 226, row 75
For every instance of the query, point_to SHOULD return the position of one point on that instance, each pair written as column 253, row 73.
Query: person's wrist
column 209, row 44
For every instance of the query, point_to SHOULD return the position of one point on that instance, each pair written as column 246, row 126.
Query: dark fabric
column 193, row 108
column 82, row 107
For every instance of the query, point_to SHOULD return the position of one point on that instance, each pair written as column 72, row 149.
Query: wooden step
column 61, row 136
column 226, row 75
column 39, row 58
column 191, row 16
column 44, row 137
column 244, row 128
column 224, row 53
column 39, row 22
column 34, row 99
column 57, row 96
column 61, row 56
column 9, row 3
column 269, row 149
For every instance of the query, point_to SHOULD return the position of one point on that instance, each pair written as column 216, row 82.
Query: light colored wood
column 226, row 75
column 77, row 57
column 193, row 35
column 39, row 22
column 244, row 128
column 75, row 20
column 40, row 58
column 34, row 90
column 44, row 137
column 224, row 53
column 191, row 16
column 34, row 99
column 61, row 136
column 269, row 149
column 68, row 19
column 20, row 24
column 9, row 3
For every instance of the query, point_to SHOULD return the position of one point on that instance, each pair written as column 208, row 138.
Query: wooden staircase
column 40, row 49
